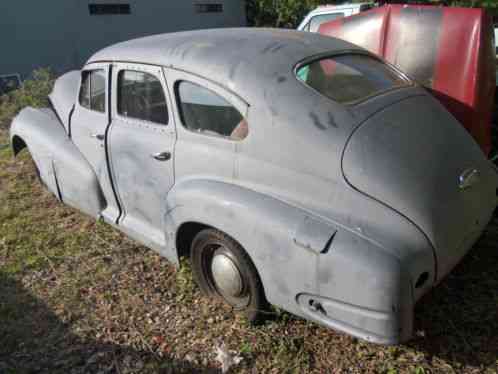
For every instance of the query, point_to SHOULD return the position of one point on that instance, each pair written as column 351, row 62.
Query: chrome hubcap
column 226, row 275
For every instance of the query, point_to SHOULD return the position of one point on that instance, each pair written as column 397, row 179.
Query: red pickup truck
column 450, row 51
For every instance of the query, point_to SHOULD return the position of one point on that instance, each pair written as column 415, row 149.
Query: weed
column 33, row 92
column 245, row 348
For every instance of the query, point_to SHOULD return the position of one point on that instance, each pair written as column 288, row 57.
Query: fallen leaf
column 226, row 358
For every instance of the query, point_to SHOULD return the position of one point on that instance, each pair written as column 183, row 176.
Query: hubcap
column 226, row 275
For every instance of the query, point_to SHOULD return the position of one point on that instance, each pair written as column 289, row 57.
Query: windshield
column 349, row 77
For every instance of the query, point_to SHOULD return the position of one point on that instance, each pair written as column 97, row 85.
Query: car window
column 316, row 21
column 204, row 111
column 141, row 96
column 350, row 77
column 365, row 7
column 93, row 90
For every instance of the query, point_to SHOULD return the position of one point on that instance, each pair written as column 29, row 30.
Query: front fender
column 276, row 235
column 27, row 129
column 62, row 167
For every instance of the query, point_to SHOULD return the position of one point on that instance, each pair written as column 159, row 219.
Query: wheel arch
column 185, row 235
column 18, row 144
column 187, row 232
column 262, row 225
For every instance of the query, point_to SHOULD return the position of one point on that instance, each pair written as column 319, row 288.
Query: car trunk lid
column 413, row 156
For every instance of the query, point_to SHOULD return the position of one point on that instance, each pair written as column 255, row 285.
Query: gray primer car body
column 350, row 213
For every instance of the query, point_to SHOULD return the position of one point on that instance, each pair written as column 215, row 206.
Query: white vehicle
column 325, row 13
column 496, row 43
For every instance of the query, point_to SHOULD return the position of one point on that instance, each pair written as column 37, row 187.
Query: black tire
column 210, row 243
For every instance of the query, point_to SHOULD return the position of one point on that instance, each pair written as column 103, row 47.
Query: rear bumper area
column 374, row 326
column 466, row 244
column 460, row 253
column 380, row 327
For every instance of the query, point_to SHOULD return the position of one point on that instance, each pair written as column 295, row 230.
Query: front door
column 141, row 147
column 88, row 128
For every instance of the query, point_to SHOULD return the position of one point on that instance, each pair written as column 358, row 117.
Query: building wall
column 62, row 34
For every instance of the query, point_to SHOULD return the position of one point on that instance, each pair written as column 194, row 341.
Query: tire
column 233, row 279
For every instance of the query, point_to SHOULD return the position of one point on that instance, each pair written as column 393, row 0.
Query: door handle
column 161, row 156
column 98, row 136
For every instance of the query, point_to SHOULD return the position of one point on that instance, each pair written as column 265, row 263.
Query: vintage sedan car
column 292, row 168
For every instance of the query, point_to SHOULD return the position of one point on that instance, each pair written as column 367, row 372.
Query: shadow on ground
column 459, row 318
column 34, row 340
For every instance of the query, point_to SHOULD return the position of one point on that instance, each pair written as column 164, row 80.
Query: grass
column 77, row 296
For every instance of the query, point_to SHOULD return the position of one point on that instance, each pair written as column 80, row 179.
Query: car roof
column 235, row 57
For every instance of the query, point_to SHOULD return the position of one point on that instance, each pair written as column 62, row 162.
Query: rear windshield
column 348, row 78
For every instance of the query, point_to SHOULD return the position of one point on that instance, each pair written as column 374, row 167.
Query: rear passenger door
column 211, row 126
column 141, row 147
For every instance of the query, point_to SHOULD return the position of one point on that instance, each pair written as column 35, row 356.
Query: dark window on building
column 141, row 96
column 93, row 88
column 204, row 111
column 209, row 8
column 105, row 9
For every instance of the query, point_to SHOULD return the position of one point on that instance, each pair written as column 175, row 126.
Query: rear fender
column 62, row 168
column 275, row 235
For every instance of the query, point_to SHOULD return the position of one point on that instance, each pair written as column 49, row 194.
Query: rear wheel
column 222, row 268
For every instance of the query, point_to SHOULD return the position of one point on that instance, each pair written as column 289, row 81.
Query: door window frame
column 158, row 73
column 176, row 76
column 92, row 67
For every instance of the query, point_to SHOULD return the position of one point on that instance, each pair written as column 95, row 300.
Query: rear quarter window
column 206, row 112
column 350, row 77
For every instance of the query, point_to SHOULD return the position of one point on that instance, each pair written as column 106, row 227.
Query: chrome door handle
column 98, row 136
column 161, row 156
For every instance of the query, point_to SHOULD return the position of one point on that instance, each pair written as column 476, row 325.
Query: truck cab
column 325, row 13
